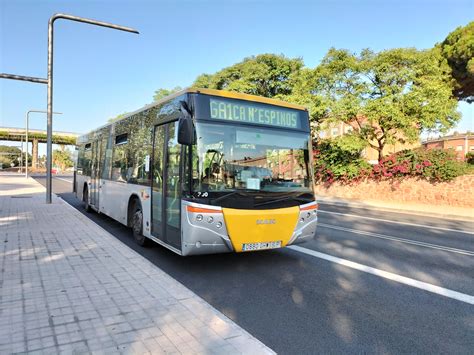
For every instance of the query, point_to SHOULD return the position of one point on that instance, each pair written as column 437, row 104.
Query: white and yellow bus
column 204, row 171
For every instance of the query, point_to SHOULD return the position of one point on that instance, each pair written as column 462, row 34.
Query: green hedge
column 335, row 163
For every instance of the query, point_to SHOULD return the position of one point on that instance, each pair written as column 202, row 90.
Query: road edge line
column 388, row 275
column 398, row 239
column 397, row 222
column 451, row 217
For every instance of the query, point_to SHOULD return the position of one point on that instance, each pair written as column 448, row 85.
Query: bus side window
column 119, row 163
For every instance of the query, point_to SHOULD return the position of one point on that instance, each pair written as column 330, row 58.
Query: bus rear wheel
column 85, row 199
column 137, row 225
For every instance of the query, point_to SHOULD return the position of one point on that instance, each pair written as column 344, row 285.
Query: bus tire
column 85, row 199
column 136, row 222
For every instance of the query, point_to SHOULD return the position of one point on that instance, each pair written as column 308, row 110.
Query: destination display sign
column 250, row 112
column 243, row 111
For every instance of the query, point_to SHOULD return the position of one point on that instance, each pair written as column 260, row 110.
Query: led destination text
column 253, row 114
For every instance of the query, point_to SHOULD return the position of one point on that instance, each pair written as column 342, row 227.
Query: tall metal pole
column 49, row 119
column 49, row 130
column 21, row 153
column 27, row 123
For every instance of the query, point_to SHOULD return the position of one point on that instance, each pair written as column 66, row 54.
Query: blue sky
column 100, row 73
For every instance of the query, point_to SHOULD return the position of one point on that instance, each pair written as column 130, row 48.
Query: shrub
column 470, row 158
column 334, row 160
column 431, row 164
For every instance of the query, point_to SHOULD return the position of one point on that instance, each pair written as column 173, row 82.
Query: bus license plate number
column 261, row 246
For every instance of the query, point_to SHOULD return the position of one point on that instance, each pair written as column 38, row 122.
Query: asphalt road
column 299, row 304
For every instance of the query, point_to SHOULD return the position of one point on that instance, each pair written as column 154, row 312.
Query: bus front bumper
column 211, row 229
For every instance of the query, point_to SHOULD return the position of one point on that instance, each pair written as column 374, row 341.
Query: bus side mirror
column 186, row 133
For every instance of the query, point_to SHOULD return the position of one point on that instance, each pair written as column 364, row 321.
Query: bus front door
column 166, row 194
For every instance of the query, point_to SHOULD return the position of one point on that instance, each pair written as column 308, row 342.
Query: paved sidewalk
column 69, row 286
column 448, row 212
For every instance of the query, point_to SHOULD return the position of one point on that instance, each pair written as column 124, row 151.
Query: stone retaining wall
column 459, row 192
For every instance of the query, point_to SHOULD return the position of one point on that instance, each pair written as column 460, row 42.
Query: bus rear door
column 95, row 174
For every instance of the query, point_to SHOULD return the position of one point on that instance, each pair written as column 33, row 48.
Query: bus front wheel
column 137, row 225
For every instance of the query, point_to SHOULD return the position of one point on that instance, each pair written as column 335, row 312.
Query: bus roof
column 213, row 92
column 240, row 96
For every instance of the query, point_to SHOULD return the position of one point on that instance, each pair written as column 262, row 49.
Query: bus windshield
column 239, row 157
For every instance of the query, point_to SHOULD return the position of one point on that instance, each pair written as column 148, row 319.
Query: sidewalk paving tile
column 68, row 286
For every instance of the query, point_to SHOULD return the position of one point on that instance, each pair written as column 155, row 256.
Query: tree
column 386, row 97
column 335, row 160
column 267, row 75
column 161, row 93
column 118, row 117
column 458, row 50
column 62, row 158
column 11, row 155
column 305, row 92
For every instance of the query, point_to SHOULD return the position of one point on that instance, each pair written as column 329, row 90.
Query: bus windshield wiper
column 305, row 200
column 236, row 192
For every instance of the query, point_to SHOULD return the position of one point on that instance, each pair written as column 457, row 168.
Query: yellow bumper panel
column 253, row 226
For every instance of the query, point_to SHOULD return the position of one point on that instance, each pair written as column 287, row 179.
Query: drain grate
column 20, row 196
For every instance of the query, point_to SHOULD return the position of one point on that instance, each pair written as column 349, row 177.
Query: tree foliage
column 161, row 93
column 386, row 97
column 305, row 92
column 470, row 158
column 118, row 117
column 62, row 158
column 41, row 137
column 267, row 75
column 338, row 159
column 458, row 50
column 9, row 155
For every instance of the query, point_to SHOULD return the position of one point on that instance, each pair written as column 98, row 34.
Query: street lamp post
column 21, row 153
column 27, row 122
column 49, row 144
column 49, row 82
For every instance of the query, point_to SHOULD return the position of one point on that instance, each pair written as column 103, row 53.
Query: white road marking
column 396, row 239
column 69, row 181
column 398, row 222
column 388, row 275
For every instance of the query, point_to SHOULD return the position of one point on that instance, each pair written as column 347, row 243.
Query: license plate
column 261, row 246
